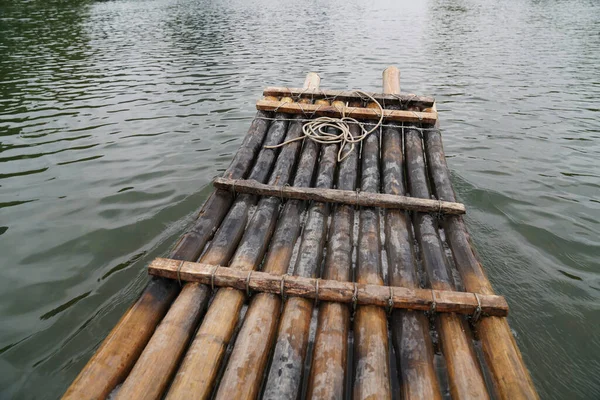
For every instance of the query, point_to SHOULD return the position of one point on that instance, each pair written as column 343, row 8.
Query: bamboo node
column 212, row 278
column 248, row 293
column 477, row 314
column 179, row 272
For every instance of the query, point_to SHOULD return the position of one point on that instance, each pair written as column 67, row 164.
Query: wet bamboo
column 161, row 355
column 119, row 351
column 410, row 329
column 387, row 98
column 328, row 373
column 285, row 373
column 509, row 374
column 353, row 112
column 330, row 290
column 244, row 372
column 464, row 373
column 198, row 371
column 341, row 196
column 372, row 376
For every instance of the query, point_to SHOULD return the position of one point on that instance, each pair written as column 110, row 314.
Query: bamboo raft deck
column 308, row 277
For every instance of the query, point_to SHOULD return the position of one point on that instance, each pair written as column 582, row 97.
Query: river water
column 116, row 115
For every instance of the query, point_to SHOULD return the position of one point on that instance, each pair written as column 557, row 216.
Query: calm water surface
column 115, row 116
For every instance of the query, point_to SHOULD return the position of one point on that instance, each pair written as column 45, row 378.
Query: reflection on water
column 114, row 117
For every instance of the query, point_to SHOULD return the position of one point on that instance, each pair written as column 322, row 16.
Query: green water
column 115, row 116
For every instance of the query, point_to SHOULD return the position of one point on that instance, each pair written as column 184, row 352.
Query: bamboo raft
column 309, row 277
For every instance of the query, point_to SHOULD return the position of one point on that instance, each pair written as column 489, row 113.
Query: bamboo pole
column 164, row 350
column 410, row 330
column 509, row 374
column 119, row 351
column 387, row 98
column 341, row 196
column 372, row 376
column 197, row 374
column 244, row 372
column 331, row 290
column 339, row 111
column 285, row 374
column 466, row 379
column 328, row 373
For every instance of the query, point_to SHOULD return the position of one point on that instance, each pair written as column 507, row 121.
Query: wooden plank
column 349, row 197
column 446, row 301
column 509, row 374
column 399, row 99
column 409, row 328
column 312, row 110
column 119, row 351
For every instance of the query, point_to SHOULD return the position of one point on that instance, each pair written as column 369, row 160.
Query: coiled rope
column 316, row 130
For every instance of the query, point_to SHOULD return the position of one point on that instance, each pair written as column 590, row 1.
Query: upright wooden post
column 391, row 80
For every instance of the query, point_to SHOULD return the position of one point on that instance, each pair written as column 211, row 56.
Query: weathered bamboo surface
column 161, row 356
column 387, row 99
column 464, row 372
column 312, row 110
column 510, row 376
column 330, row 289
column 372, row 372
column 409, row 329
column 257, row 333
column 329, row 374
column 305, row 277
column 364, row 199
column 285, row 374
column 119, row 351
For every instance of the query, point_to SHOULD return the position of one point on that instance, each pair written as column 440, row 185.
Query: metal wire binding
column 433, row 303
column 477, row 314
column 390, row 302
column 179, row 272
column 248, row 293
column 212, row 278
column 282, row 288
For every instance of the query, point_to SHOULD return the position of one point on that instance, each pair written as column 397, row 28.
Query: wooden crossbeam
column 365, row 199
column 401, row 99
column 331, row 290
column 360, row 113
